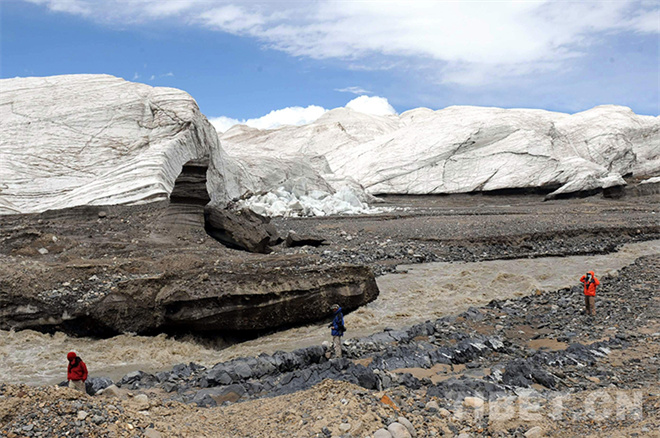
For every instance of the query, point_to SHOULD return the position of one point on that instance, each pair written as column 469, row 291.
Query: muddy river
column 416, row 293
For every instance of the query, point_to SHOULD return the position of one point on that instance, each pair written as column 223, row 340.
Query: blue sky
column 242, row 60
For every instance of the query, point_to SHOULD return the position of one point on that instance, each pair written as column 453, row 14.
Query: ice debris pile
column 281, row 202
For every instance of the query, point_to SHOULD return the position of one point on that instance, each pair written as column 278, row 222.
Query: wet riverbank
column 529, row 366
column 415, row 294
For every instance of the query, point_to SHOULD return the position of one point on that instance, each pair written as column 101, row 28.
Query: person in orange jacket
column 590, row 282
column 76, row 372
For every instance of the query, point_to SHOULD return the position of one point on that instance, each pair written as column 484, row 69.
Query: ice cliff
column 466, row 149
column 97, row 139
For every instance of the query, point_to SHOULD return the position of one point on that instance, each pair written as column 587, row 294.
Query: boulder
column 96, row 384
column 239, row 229
column 216, row 396
column 408, row 425
column 110, row 391
column 295, row 239
column 398, row 430
column 382, row 433
column 524, row 373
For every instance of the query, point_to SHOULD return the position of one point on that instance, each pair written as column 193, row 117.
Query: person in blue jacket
column 338, row 328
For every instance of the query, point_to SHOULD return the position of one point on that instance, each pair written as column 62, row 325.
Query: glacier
column 463, row 149
column 76, row 140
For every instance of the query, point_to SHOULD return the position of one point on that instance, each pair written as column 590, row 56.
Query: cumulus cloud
column 378, row 106
column 297, row 116
column 222, row 123
column 466, row 42
column 294, row 115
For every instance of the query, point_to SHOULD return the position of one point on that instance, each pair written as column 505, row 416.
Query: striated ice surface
column 97, row 139
column 463, row 149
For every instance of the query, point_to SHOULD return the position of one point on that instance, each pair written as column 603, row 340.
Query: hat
column 334, row 306
column 71, row 355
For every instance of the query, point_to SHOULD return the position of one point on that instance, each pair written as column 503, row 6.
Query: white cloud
column 222, row 123
column 154, row 77
column 77, row 7
column 354, row 90
column 475, row 42
column 377, row 106
column 297, row 116
column 294, row 115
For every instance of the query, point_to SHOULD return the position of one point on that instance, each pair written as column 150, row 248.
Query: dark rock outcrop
column 295, row 239
column 248, row 300
column 262, row 300
column 239, row 229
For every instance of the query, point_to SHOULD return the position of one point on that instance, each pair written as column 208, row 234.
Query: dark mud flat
column 147, row 269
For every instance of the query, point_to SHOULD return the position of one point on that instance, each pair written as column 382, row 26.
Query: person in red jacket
column 76, row 372
column 590, row 282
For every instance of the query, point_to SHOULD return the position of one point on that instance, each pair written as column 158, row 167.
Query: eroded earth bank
column 523, row 366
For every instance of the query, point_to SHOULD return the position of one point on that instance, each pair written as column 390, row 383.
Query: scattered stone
column 152, row 433
column 382, row 433
column 432, row 406
column 473, row 402
column 534, row 432
column 398, row 430
column 141, row 402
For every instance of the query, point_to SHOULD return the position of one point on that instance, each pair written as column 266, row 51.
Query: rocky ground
column 532, row 366
column 477, row 227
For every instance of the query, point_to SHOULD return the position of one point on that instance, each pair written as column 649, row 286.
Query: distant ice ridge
column 281, row 202
column 463, row 149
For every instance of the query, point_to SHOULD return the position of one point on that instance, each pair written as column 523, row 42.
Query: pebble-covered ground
column 477, row 227
column 529, row 367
